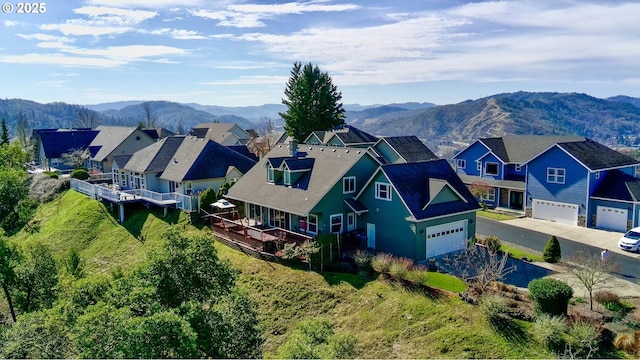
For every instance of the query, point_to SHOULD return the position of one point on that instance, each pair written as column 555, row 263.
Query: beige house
column 115, row 140
column 226, row 134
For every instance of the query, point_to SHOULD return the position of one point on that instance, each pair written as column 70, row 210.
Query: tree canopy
column 313, row 102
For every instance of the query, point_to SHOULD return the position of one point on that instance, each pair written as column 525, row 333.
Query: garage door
column 554, row 211
column 612, row 218
column 446, row 238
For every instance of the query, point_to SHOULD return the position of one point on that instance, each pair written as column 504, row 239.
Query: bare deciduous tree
column 149, row 117
column 85, row 118
column 76, row 157
column 267, row 137
column 591, row 271
column 478, row 266
column 481, row 190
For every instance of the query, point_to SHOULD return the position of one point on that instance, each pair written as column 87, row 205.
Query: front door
column 172, row 186
column 516, row 200
column 371, row 236
column 351, row 221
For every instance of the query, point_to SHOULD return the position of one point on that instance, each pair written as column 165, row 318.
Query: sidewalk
column 599, row 238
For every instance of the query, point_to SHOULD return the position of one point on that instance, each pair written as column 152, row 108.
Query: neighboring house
column 158, row 133
column 341, row 136
column 413, row 209
column 112, row 141
column 418, row 210
column 402, row 149
column 499, row 163
column 222, row 133
column 53, row 144
column 572, row 180
column 181, row 164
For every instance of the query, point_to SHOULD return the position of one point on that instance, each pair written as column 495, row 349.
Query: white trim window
column 270, row 174
column 491, row 168
column 312, row 224
column 518, row 167
column 188, row 187
column 597, row 175
column 491, row 196
column 461, row 163
column 556, row 175
column 287, row 177
column 349, row 185
column 383, row 191
column 479, row 165
column 336, row 223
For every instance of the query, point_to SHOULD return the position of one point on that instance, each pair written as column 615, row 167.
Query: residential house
column 307, row 189
column 418, row 210
column 571, row 180
column 158, row 133
column 402, row 149
column 499, row 163
column 341, row 136
column 53, row 144
column 181, row 164
column 115, row 140
column 411, row 209
column 222, row 133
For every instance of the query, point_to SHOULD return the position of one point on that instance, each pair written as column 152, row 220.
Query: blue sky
column 239, row 53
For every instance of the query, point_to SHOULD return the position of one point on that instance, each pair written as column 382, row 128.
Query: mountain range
column 612, row 121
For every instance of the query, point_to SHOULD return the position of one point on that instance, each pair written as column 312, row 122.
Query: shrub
column 605, row 296
column 493, row 243
column 549, row 331
column 381, row 262
column 79, row 174
column 582, row 340
column 629, row 342
column 551, row 296
column 51, row 174
column 44, row 188
column 362, row 259
column 207, row 198
column 400, row 267
column 552, row 252
column 495, row 310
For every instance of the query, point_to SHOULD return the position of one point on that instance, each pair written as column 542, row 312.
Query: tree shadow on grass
column 358, row 281
column 138, row 223
column 511, row 329
column 414, row 287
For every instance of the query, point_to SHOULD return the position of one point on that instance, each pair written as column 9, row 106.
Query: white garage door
column 612, row 218
column 446, row 238
column 555, row 211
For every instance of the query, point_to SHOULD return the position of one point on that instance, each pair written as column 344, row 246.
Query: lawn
column 388, row 319
column 495, row 215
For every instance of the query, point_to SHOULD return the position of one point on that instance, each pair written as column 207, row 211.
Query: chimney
column 293, row 148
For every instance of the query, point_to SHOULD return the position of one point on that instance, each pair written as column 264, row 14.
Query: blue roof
column 56, row 143
column 412, row 182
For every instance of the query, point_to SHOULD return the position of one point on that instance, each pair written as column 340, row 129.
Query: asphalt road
column 628, row 266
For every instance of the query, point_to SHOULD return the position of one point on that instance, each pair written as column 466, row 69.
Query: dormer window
column 287, row 177
column 270, row 174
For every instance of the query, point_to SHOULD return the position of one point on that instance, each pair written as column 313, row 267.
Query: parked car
column 630, row 241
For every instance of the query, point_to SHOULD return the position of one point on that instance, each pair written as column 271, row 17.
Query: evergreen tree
column 4, row 133
column 552, row 252
column 313, row 102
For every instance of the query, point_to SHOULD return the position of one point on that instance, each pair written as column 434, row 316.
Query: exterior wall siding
column 388, row 153
column 573, row 191
column 471, row 154
column 490, row 158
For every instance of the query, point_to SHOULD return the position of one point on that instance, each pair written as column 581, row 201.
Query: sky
column 240, row 53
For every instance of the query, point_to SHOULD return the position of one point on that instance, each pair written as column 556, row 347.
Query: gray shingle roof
column 330, row 165
column 410, row 148
column 597, row 156
column 155, row 157
column 519, row 149
column 108, row 139
column 415, row 183
column 617, row 185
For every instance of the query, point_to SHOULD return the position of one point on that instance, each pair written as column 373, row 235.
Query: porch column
column 121, row 212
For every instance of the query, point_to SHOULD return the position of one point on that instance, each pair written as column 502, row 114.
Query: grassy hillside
column 388, row 320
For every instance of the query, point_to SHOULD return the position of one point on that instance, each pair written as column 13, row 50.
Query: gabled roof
column 519, row 149
column 121, row 160
column 244, row 151
column 419, row 183
column 198, row 159
column 329, row 167
column 158, row 133
column 220, row 132
column 410, row 148
column 108, row 139
column 596, row 156
column 296, row 164
column 618, row 185
column 155, row 157
column 55, row 143
column 347, row 134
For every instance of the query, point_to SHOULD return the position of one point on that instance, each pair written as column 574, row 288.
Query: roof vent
column 333, row 150
column 346, row 151
column 175, row 161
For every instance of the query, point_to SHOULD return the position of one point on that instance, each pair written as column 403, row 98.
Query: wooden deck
column 268, row 240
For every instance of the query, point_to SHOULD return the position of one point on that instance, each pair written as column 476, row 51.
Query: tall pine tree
column 4, row 133
column 313, row 102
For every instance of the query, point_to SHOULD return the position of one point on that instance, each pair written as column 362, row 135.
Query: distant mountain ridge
column 611, row 121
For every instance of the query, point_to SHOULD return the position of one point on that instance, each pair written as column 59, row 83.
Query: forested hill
column 610, row 121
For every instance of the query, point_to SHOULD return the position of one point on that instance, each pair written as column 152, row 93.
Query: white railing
column 95, row 191
column 101, row 176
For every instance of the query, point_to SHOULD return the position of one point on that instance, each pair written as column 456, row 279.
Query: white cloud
column 116, row 16
column 251, row 80
column 252, row 15
column 178, row 34
column 129, row 52
column 102, row 21
column 81, row 27
column 59, row 59
column 11, row 23
column 147, row 4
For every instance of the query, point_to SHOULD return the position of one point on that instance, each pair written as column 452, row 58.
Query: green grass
column 518, row 253
column 388, row 319
column 445, row 281
column 494, row 215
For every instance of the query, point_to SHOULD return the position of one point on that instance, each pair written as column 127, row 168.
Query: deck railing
column 97, row 191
